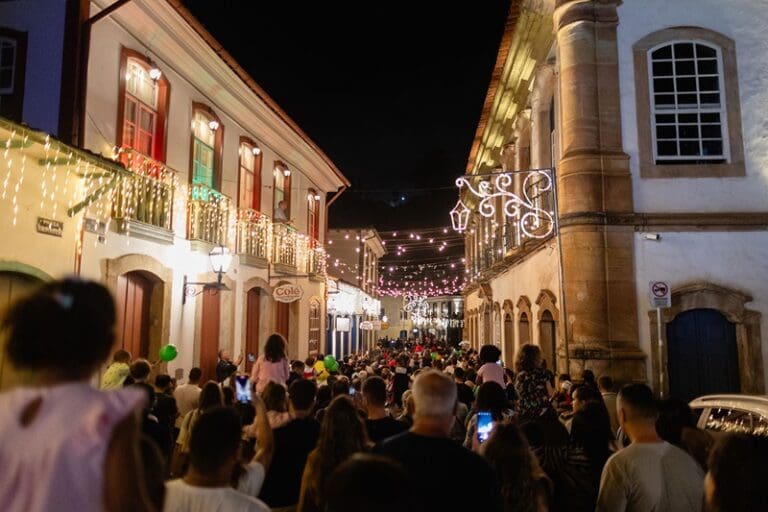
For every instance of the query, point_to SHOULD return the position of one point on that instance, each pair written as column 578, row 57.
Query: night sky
column 391, row 91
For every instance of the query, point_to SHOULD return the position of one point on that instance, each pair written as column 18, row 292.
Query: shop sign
column 367, row 325
column 287, row 293
column 50, row 226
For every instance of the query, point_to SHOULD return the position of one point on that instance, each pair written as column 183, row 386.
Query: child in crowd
column 118, row 371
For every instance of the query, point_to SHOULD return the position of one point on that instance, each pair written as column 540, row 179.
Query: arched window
column 313, row 215
column 524, row 328
column 144, row 91
column 207, row 139
column 249, row 185
column 314, row 327
column 688, row 114
column 281, row 189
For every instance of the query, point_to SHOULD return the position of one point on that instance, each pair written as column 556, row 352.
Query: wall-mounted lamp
column 213, row 125
column 155, row 73
column 286, row 172
column 256, row 150
column 220, row 258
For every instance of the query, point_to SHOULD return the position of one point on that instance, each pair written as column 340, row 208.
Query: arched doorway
column 524, row 329
column 252, row 322
column 548, row 339
column 509, row 340
column 139, row 300
column 702, row 354
column 209, row 333
column 13, row 285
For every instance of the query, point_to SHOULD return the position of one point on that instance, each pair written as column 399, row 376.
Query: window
column 250, row 175
column 314, row 328
column 313, row 215
column 207, row 138
column 141, row 119
column 688, row 107
column 13, row 56
column 689, row 119
column 282, row 187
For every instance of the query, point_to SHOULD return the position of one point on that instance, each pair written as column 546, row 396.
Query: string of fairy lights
column 423, row 262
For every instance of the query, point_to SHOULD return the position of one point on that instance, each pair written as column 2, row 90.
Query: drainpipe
column 82, row 76
column 328, row 206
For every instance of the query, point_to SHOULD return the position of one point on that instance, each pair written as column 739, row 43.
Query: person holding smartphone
column 492, row 406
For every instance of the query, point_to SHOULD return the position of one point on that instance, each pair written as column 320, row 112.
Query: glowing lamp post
column 220, row 258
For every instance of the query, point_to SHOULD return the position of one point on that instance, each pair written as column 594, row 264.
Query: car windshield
column 736, row 421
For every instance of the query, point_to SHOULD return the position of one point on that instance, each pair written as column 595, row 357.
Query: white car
column 746, row 414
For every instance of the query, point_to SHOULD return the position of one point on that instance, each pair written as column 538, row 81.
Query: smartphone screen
column 484, row 426
column 352, row 391
column 251, row 357
column 243, row 388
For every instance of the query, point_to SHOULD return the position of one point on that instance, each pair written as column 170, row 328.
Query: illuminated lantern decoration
column 460, row 216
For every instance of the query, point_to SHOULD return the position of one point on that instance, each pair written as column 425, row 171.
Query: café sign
column 287, row 293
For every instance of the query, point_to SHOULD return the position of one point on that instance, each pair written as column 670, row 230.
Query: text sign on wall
column 50, row 226
column 287, row 293
column 660, row 294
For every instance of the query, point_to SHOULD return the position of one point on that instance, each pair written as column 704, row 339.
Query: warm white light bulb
column 286, row 172
column 256, row 151
column 213, row 125
column 155, row 73
column 317, row 197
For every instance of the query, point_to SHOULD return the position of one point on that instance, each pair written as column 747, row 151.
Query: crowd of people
column 400, row 428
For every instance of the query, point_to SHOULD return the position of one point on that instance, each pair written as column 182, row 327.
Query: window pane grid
column 687, row 103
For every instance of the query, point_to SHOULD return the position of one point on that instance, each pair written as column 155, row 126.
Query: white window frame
column 674, row 109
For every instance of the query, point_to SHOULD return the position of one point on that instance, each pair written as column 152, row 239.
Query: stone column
column 594, row 182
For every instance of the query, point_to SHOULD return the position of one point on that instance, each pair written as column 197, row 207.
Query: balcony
column 316, row 260
column 284, row 245
column 254, row 237
column 208, row 212
column 143, row 202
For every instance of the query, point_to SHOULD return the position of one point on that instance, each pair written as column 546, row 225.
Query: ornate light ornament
column 526, row 210
column 460, row 215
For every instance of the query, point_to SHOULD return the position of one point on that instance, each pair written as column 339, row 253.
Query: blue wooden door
column 702, row 354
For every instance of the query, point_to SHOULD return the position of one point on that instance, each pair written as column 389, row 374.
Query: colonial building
column 649, row 115
column 161, row 149
column 353, row 258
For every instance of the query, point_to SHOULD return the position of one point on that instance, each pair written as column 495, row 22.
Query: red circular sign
column 660, row 289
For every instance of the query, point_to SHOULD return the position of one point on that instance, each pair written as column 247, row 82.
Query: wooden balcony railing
column 284, row 242
column 208, row 212
column 146, row 195
column 254, row 233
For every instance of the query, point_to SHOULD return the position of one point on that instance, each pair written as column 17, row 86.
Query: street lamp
column 220, row 258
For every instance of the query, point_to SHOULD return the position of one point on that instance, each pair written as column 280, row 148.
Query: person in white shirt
column 214, row 454
column 605, row 384
column 650, row 474
column 188, row 395
column 281, row 212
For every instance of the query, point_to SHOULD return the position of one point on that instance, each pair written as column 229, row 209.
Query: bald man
column 456, row 478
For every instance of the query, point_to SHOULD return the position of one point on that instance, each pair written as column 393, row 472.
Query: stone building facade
column 649, row 117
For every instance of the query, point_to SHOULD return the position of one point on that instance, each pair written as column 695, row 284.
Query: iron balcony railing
column 208, row 215
column 254, row 233
column 146, row 193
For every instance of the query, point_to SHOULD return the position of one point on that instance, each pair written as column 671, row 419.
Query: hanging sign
column 660, row 294
column 367, row 325
column 287, row 293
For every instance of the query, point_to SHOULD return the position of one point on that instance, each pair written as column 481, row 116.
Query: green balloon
column 168, row 353
column 330, row 362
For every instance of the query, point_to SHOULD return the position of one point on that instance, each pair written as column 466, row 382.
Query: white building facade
column 651, row 114
column 204, row 159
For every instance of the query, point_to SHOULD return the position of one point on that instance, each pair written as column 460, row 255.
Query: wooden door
column 134, row 293
column 702, row 355
column 253, row 303
column 209, row 334
column 509, row 341
column 282, row 320
column 12, row 287
column 314, row 328
column 548, row 340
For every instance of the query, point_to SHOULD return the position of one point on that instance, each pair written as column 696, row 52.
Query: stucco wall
column 743, row 21
column 738, row 261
